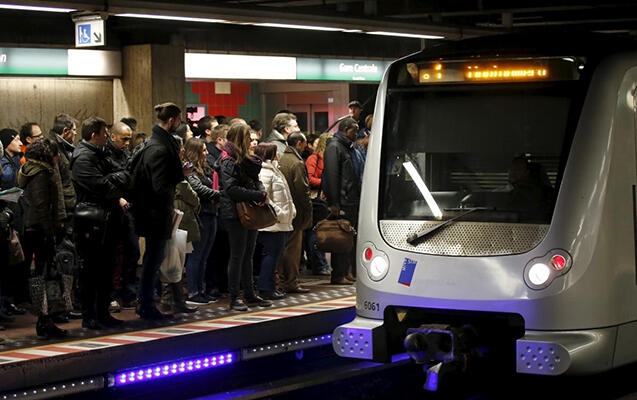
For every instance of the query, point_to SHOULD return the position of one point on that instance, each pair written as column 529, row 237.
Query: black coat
column 341, row 183
column 95, row 178
column 155, row 177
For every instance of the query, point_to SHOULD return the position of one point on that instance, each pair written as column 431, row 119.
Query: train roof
column 546, row 43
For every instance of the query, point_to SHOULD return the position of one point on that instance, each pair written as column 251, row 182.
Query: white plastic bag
column 172, row 268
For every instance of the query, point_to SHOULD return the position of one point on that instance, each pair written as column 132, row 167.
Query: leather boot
column 46, row 329
column 166, row 301
column 180, row 305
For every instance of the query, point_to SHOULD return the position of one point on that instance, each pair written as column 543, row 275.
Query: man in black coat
column 101, row 185
column 154, row 177
column 342, row 188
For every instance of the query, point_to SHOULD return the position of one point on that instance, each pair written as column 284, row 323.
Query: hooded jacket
column 43, row 193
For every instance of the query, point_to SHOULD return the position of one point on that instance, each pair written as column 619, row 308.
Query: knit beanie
column 6, row 136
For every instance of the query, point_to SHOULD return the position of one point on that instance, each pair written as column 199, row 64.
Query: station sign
column 60, row 62
column 90, row 33
column 25, row 61
column 340, row 69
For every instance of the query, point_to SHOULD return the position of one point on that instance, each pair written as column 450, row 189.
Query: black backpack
column 133, row 165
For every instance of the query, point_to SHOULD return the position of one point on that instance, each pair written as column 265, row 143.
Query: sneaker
column 238, row 305
column 114, row 307
column 258, row 301
column 272, row 295
column 198, row 300
column 210, row 298
column 75, row 314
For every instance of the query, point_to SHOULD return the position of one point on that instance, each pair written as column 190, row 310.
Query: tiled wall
column 237, row 103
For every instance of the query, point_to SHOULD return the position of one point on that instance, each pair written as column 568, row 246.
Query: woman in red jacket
column 314, row 164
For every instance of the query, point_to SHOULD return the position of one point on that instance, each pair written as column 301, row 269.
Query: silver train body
column 545, row 289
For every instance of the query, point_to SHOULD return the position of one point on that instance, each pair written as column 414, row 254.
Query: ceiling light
column 35, row 8
column 171, row 18
column 410, row 35
column 291, row 26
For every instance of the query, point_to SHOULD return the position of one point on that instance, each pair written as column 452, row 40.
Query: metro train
column 498, row 222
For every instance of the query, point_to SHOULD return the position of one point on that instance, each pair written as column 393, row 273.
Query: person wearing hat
column 15, row 279
column 355, row 111
column 11, row 159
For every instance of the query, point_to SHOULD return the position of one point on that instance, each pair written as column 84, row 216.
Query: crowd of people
column 98, row 214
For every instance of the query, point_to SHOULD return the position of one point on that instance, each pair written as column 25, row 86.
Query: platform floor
column 20, row 333
column 308, row 319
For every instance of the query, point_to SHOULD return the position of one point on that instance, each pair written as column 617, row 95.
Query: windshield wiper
column 417, row 237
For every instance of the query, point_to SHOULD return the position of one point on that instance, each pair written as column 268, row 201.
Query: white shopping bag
column 172, row 268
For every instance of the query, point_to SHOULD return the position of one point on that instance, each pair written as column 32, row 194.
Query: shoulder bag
column 253, row 216
column 334, row 235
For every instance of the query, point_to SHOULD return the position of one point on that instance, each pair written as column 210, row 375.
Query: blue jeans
column 273, row 245
column 153, row 257
column 242, row 242
column 197, row 260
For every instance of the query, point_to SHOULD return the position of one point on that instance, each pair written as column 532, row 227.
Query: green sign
column 19, row 61
column 340, row 70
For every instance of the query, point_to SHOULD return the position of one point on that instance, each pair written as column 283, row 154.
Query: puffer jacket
column 280, row 197
column 240, row 182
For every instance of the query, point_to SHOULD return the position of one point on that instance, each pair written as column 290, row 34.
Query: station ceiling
column 457, row 18
column 241, row 28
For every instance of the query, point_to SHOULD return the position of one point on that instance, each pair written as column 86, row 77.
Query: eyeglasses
column 126, row 139
column 36, row 136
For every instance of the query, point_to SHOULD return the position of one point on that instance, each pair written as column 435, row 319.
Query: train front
column 463, row 260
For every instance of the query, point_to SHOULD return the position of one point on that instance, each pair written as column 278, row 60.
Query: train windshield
column 489, row 137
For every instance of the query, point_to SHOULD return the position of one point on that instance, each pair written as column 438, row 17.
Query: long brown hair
column 193, row 149
column 239, row 135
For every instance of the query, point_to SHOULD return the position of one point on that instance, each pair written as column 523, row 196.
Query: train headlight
column 374, row 261
column 541, row 271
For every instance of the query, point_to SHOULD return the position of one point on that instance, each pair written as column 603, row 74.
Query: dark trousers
column 217, row 268
column 153, row 256
column 96, row 274
column 242, row 243
column 125, row 275
column 197, row 261
column 273, row 244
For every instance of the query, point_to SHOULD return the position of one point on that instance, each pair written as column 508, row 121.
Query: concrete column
column 151, row 74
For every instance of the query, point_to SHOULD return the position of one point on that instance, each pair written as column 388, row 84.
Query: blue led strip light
column 172, row 368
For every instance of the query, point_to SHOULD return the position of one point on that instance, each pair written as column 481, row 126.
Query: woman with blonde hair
column 240, row 182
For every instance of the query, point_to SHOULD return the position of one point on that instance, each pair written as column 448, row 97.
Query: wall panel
column 40, row 99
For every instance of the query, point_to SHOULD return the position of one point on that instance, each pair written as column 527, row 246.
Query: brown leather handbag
column 253, row 216
column 334, row 235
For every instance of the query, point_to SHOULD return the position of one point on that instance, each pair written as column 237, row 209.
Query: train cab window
column 464, row 142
